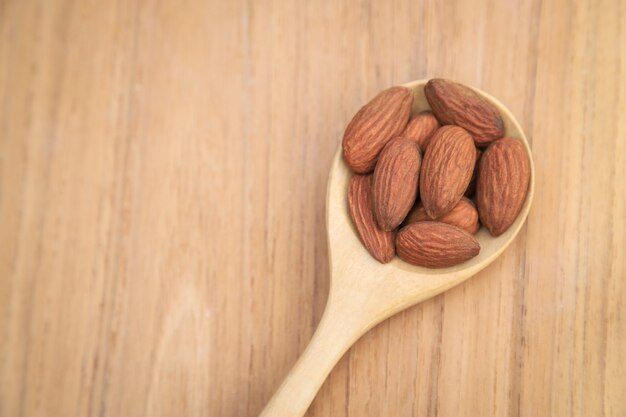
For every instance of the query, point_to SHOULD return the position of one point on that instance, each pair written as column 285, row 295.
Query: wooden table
column 163, row 167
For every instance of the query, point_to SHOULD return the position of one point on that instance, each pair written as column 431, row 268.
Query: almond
column 446, row 170
column 377, row 242
column 396, row 177
column 380, row 120
column 457, row 104
column 502, row 184
column 435, row 245
column 471, row 188
column 421, row 128
column 464, row 216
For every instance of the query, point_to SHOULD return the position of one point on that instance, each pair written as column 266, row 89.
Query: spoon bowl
column 364, row 292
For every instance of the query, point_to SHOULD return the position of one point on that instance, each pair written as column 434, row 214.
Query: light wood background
column 163, row 168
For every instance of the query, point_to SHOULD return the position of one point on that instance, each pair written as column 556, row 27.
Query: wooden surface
column 163, row 169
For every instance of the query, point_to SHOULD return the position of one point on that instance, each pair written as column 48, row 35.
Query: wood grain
column 163, row 169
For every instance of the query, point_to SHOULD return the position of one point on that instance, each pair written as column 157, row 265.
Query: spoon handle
column 339, row 328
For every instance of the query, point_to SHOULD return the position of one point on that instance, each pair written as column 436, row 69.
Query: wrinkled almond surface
column 379, row 244
column 502, row 184
column 471, row 188
column 395, row 182
column 457, row 104
column 375, row 124
column 464, row 215
column 446, row 170
column 435, row 245
column 421, row 128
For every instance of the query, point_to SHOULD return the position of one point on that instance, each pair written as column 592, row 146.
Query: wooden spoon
column 364, row 292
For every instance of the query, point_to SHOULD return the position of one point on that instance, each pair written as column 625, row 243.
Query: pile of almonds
column 415, row 176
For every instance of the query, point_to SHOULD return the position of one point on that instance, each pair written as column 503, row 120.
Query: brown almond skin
column 379, row 243
column 464, row 216
column 435, row 245
column 446, row 170
column 374, row 125
column 421, row 127
column 395, row 181
column 471, row 188
column 502, row 184
column 457, row 104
